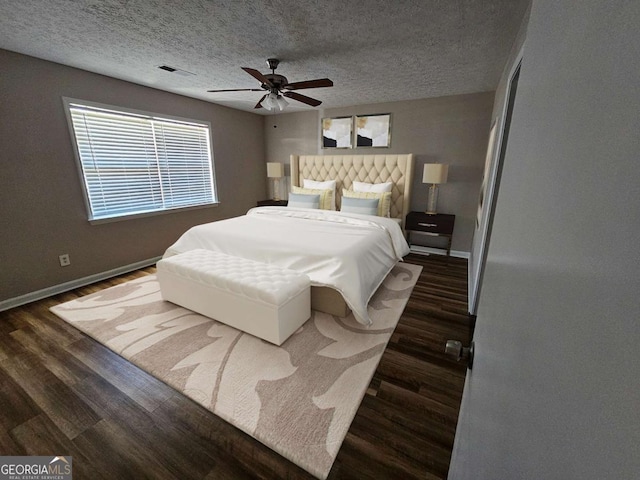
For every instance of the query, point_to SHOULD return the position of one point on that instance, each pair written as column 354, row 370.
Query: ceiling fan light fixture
column 273, row 101
column 282, row 103
column 268, row 102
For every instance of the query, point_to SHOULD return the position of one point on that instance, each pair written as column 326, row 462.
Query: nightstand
column 435, row 225
column 272, row 203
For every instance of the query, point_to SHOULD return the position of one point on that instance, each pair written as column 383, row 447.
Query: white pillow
column 372, row 187
column 326, row 185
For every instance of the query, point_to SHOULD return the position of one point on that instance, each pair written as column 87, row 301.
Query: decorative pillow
column 384, row 205
column 325, row 195
column 362, row 206
column 372, row 187
column 328, row 184
column 301, row 200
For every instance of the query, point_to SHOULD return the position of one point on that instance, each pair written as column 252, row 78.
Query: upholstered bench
column 264, row 300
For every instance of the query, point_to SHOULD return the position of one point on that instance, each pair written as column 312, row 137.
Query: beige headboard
column 346, row 169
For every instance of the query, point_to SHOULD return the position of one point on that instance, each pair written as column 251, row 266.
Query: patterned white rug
column 298, row 399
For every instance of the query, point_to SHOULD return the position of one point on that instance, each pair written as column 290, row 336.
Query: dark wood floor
column 62, row 393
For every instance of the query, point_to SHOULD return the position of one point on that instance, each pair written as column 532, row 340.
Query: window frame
column 69, row 102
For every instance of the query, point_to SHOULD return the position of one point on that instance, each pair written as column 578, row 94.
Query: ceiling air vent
column 177, row 71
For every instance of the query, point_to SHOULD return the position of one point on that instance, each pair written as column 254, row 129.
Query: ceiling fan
column 277, row 87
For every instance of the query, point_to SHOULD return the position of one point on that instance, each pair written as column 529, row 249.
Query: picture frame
column 373, row 130
column 336, row 132
column 485, row 176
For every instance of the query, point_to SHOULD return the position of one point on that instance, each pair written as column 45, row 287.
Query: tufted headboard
column 362, row 168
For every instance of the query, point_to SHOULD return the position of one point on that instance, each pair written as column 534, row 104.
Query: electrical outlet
column 64, row 260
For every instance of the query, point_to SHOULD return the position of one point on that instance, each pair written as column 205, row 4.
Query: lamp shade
column 275, row 170
column 435, row 173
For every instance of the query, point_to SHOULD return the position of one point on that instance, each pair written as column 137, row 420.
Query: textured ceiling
column 373, row 50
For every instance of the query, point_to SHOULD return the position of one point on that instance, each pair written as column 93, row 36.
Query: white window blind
column 135, row 163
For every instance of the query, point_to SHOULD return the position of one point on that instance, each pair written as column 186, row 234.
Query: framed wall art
column 485, row 175
column 337, row 132
column 373, row 130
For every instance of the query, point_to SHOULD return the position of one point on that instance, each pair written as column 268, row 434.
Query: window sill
column 99, row 221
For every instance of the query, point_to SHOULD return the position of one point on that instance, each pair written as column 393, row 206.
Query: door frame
column 489, row 190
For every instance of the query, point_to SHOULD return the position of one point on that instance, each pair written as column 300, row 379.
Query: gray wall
column 554, row 392
column 42, row 211
column 452, row 130
column 291, row 133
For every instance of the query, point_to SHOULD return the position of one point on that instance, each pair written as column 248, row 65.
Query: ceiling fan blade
column 301, row 98
column 257, row 75
column 259, row 104
column 238, row 90
column 320, row 82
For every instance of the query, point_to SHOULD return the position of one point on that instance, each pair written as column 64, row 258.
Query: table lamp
column 276, row 171
column 434, row 173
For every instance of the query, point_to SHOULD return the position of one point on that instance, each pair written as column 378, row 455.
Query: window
column 137, row 163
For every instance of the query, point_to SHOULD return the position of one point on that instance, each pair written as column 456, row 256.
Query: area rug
column 298, row 399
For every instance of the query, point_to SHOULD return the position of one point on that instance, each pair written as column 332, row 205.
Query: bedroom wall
column 42, row 209
column 452, row 130
column 291, row 133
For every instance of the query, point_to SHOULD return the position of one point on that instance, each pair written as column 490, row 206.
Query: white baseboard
column 80, row 282
column 420, row 250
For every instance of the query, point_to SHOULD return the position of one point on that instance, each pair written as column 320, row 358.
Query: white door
column 555, row 392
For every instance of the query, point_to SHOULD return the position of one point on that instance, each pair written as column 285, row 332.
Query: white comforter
column 348, row 252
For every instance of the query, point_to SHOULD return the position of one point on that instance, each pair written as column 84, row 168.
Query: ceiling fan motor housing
column 277, row 81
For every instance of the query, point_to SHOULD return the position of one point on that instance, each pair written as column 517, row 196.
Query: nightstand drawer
column 272, row 203
column 439, row 223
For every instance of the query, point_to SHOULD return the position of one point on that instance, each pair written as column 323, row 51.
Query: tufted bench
column 264, row 300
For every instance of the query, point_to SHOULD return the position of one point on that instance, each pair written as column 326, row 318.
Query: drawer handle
column 428, row 224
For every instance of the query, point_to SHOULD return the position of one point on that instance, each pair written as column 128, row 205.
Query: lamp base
column 276, row 189
column 432, row 200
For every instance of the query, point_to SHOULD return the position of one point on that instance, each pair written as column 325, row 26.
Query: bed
column 344, row 273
